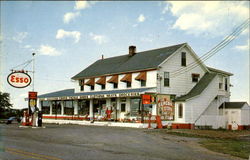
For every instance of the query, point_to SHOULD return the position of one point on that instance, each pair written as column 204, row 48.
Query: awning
column 127, row 78
column 101, row 81
column 113, row 79
column 90, row 82
column 141, row 76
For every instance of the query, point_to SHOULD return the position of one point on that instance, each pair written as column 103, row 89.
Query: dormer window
column 183, row 59
column 142, row 77
column 127, row 79
column 91, row 83
column 114, row 80
column 102, row 82
column 195, row 77
column 81, row 84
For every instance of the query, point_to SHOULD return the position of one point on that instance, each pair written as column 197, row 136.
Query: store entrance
column 99, row 109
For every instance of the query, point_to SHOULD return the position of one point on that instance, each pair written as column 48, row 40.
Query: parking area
column 62, row 142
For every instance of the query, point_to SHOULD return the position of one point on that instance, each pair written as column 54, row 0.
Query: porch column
column 75, row 107
column 108, row 102
column 91, row 116
column 62, row 107
column 50, row 107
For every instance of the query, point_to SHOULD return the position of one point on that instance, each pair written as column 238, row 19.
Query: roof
column 232, row 105
column 71, row 92
column 219, row 71
column 150, row 59
column 198, row 88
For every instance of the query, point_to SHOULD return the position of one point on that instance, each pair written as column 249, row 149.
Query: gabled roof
column 219, row 71
column 232, row 105
column 198, row 88
column 140, row 61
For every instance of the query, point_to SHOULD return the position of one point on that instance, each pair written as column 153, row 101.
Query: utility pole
column 33, row 71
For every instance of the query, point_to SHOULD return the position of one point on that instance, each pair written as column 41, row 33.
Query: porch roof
column 71, row 92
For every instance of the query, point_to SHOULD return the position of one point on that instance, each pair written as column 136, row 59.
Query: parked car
column 13, row 120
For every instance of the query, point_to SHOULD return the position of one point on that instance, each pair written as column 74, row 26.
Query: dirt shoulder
column 233, row 143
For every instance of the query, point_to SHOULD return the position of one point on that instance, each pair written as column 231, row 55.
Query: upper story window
column 183, row 59
column 115, row 85
column 226, row 84
column 166, row 79
column 220, row 82
column 92, row 88
column 102, row 81
column 143, row 83
column 195, row 77
column 128, row 84
column 81, row 84
column 142, row 77
column 103, row 86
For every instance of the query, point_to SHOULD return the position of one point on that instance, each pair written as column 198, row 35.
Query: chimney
column 132, row 50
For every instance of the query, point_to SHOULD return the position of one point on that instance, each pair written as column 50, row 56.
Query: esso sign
column 19, row 79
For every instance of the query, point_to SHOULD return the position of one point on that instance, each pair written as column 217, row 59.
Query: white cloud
column 20, row 36
column 243, row 47
column 100, row 39
column 141, row 18
column 48, row 50
column 27, row 46
column 69, row 16
column 73, row 34
column 213, row 17
column 81, row 5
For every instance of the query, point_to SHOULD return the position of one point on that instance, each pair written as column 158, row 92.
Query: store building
column 183, row 90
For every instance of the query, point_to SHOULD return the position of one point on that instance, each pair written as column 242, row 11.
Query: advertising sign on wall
column 165, row 107
column 19, row 79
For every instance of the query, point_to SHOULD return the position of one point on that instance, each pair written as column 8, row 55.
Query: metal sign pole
column 33, row 71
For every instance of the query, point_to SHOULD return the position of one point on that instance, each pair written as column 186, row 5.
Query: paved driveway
column 73, row 142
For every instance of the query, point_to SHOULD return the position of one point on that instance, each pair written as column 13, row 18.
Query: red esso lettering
column 17, row 79
column 12, row 78
column 26, row 80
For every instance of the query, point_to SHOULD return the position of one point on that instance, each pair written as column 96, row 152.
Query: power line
column 214, row 50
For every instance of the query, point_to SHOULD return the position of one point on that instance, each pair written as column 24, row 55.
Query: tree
column 5, row 104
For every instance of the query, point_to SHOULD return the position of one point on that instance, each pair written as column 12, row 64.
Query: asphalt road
column 74, row 142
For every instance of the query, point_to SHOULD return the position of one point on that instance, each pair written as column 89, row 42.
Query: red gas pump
column 25, row 120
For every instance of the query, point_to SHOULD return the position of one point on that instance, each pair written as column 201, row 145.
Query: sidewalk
column 98, row 123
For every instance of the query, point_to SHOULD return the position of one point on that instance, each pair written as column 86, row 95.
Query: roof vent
column 132, row 50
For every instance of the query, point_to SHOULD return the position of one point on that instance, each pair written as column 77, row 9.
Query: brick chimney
column 132, row 50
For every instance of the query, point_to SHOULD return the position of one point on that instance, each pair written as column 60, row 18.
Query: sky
column 68, row 36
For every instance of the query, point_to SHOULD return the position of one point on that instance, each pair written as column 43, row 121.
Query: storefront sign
column 19, row 79
column 165, row 107
column 96, row 96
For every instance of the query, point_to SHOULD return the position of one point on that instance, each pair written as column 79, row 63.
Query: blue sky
column 68, row 36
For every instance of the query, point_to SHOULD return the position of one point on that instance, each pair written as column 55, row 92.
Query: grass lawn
column 235, row 143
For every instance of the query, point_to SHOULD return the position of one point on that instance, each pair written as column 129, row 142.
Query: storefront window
column 135, row 106
column 68, row 108
column 83, row 107
column 56, row 107
column 45, row 107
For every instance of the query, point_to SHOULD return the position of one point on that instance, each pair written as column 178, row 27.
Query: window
column 103, row 86
column 166, row 79
column 128, row 84
column 195, row 77
column 143, row 83
column 68, row 108
column 180, row 111
column 183, row 58
column 45, row 107
column 115, row 85
column 123, row 107
column 92, row 88
column 226, row 84
column 82, row 88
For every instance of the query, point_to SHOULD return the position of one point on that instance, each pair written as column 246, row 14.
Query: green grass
column 236, row 148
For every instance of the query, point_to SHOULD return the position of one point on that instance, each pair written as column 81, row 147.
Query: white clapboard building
column 182, row 90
